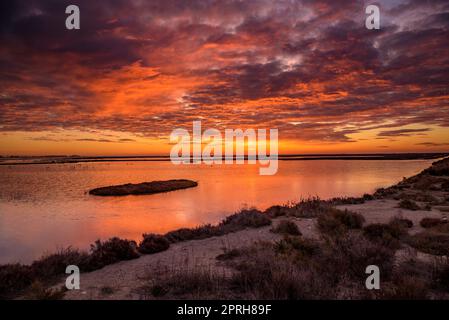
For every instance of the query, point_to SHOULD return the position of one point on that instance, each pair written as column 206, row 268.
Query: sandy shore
column 122, row 280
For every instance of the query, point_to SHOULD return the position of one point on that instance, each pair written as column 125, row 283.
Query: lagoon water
column 46, row 207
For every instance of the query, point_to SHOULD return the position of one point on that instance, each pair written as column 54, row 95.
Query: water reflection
column 43, row 207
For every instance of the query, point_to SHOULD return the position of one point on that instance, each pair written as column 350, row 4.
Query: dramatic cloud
column 309, row 68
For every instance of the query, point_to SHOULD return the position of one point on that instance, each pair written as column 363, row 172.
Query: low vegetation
column 431, row 242
column 286, row 227
column 337, row 222
column 239, row 221
column 387, row 234
column 16, row 279
column 153, row 243
column 409, row 205
column 144, row 188
column 431, row 222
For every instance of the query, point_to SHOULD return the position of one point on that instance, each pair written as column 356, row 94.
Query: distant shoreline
column 10, row 161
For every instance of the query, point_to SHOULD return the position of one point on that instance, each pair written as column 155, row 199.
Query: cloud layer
column 309, row 68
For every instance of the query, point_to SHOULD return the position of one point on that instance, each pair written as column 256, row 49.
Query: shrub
column 244, row 219
column 350, row 219
column 409, row 205
column 385, row 192
column 430, row 242
column 402, row 223
column 431, row 222
column 303, row 247
column 53, row 265
column 106, row 290
column 238, row 221
column 287, row 227
column 385, row 234
column 346, row 200
column 406, row 287
column 336, row 222
column 38, row 291
column 310, row 208
column 185, row 234
column 262, row 275
column 153, row 243
column 112, row 251
column 438, row 168
column 13, row 278
column 368, row 197
column 420, row 197
column 350, row 254
column 197, row 283
column 277, row 211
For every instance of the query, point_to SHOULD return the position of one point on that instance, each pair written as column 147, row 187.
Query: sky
column 136, row 70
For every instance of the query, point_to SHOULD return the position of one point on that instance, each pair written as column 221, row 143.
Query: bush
column 350, row 254
column 351, row 220
column 401, row 223
column 185, row 234
column 236, row 222
column 431, row 222
column 13, row 278
column 197, row 283
column 336, row 222
column 310, row 208
column 262, row 275
column 277, row 211
column 346, row 200
column 302, row 247
column 38, row 291
column 287, row 227
column 409, row 205
column 112, row 251
column 153, row 243
column 386, row 234
column 438, row 168
column 406, row 287
column 53, row 265
column 244, row 219
column 430, row 242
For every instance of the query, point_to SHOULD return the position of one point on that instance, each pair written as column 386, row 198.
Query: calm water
column 46, row 207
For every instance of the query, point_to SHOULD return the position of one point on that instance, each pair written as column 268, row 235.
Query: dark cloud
column 146, row 67
column 402, row 132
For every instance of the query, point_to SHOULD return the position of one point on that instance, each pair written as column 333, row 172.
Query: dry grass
column 409, row 205
column 16, row 278
column 153, row 243
column 388, row 235
column 239, row 221
column 430, row 242
column 431, row 222
column 336, row 222
column 286, row 227
column 112, row 251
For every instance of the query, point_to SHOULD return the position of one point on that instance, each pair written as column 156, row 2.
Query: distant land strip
column 78, row 159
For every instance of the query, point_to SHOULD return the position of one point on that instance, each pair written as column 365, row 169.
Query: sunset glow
column 137, row 70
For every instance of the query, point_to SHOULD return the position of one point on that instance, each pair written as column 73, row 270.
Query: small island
column 144, row 188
